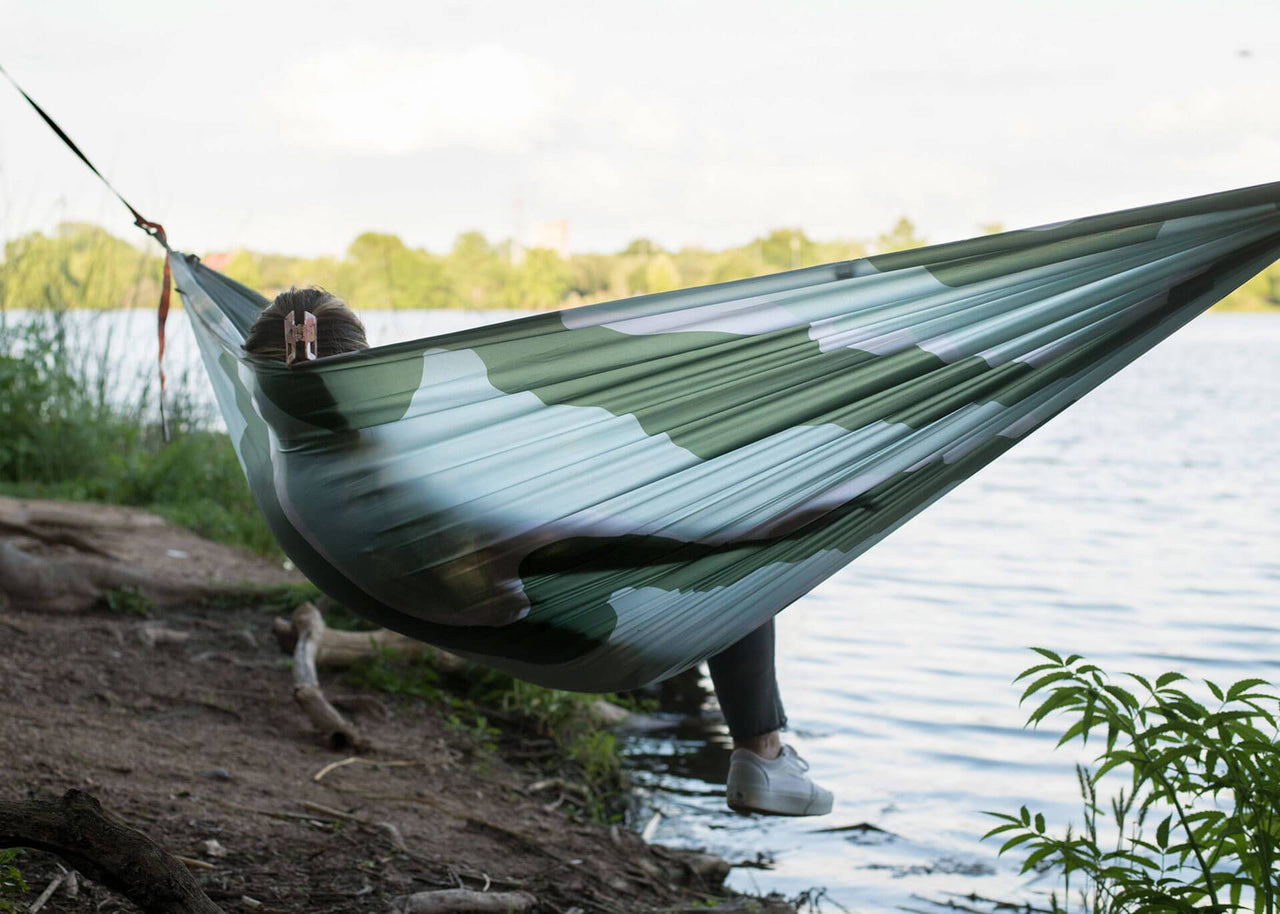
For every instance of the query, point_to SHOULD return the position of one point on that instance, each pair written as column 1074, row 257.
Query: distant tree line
column 83, row 266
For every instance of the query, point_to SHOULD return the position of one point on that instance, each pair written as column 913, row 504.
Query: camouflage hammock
column 600, row 497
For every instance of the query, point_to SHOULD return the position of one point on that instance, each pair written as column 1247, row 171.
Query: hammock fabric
column 600, row 497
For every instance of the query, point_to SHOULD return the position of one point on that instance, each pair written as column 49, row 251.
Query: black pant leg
column 747, row 685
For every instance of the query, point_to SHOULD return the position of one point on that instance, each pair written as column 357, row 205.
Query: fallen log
column 99, row 845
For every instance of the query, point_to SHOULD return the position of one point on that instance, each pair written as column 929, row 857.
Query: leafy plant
column 387, row 671
column 1197, row 828
column 12, row 884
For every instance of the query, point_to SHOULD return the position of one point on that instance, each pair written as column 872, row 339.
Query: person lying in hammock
column 765, row 776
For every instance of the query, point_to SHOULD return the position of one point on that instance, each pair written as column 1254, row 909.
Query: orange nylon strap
column 162, row 316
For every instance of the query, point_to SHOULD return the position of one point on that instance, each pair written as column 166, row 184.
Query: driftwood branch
column 91, row 840
column 338, row 650
column 310, row 630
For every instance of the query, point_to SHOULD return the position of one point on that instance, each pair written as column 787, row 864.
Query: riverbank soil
column 194, row 739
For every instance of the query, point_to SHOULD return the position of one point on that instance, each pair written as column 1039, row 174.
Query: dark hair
column 337, row 327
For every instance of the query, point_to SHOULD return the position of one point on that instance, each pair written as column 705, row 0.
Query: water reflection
column 1141, row 528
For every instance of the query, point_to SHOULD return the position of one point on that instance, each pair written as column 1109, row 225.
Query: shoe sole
column 793, row 805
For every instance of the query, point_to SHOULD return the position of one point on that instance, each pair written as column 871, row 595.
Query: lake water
column 1141, row 528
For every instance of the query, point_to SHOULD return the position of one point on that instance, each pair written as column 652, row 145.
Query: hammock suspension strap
column 154, row 229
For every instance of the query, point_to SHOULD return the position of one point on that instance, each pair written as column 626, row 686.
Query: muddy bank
column 197, row 742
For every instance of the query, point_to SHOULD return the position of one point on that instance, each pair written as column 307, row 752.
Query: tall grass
column 64, row 433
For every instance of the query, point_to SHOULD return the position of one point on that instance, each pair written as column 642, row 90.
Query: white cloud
column 707, row 123
column 632, row 120
column 1210, row 112
column 382, row 101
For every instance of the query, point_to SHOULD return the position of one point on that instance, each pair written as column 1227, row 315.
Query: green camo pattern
column 600, row 497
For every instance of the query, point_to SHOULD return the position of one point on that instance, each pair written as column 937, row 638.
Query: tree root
column 93, row 841
column 71, row 581
column 66, row 556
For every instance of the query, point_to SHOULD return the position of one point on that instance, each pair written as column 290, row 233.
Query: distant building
column 218, row 260
column 552, row 234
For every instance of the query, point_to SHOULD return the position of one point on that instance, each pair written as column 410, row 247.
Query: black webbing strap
column 154, row 229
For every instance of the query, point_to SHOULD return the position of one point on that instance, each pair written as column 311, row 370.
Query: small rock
column 213, row 849
column 697, row 869
column 216, row 774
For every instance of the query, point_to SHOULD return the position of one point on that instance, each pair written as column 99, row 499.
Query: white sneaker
column 775, row 787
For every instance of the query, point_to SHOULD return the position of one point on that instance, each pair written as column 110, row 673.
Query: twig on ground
column 335, row 813
column 47, row 893
column 192, row 863
column 332, row 766
column 995, row 904
column 357, row 760
column 559, row 784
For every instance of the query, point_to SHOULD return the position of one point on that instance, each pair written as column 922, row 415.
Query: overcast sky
column 292, row 127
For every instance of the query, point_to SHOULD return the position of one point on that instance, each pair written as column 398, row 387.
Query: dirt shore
column 199, row 744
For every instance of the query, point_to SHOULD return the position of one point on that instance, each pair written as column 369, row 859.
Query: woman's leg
column 747, row 688
column 763, row 777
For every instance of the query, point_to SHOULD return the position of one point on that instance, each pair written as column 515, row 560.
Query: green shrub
column 12, row 884
column 1197, row 827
